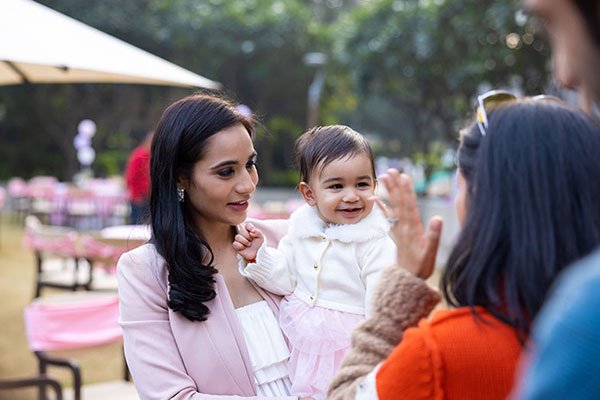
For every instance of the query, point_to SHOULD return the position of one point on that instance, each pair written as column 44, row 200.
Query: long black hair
column 179, row 141
column 533, row 208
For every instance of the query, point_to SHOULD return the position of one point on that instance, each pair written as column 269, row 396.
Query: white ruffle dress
column 269, row 353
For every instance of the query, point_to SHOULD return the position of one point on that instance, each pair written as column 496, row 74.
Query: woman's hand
column 417, row 249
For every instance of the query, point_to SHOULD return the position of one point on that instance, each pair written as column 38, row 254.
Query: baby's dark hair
column 321, row 145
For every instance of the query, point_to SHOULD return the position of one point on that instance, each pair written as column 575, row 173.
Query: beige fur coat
column 399, row 302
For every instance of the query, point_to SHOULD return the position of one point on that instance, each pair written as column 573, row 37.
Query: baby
column 328, row 264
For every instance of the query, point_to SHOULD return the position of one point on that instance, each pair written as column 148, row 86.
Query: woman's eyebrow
column 224, row 164
column 228, row 163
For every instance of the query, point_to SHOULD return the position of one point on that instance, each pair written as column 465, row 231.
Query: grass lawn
column 16, row 290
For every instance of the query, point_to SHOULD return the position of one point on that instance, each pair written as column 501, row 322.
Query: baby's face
column 343, row 190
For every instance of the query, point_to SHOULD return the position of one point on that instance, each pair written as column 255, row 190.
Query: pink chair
column 102, row 255
column 75, row 321
column 41, row 190
column 58, row 261
column 81, row 209
column 102, row 249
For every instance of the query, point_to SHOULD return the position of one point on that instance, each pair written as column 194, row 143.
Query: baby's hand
column 247, row 241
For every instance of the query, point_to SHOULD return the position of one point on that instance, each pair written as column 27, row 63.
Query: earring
column 180, row 195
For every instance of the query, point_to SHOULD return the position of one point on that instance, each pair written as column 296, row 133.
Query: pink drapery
column 65, row 245
column 96, row 249
column 74, row 324
column 71, row 245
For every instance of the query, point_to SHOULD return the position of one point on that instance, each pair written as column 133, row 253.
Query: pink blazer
column 171, row 357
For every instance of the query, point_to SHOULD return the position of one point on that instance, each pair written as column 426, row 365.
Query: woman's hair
column 179, row 142
column 321, row 145
column 533, row 199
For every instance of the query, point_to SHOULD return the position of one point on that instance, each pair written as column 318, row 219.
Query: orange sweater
column 452, row 356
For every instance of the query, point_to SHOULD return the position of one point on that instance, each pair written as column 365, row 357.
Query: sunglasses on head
column 494, row 98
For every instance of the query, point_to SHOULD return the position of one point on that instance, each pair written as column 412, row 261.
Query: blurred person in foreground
column 529, row 184
column 573, row 27
column 566, row 335
column 137, row 179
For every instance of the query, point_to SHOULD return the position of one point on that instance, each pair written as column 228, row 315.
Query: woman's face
column 223, row 180
column 460, row 201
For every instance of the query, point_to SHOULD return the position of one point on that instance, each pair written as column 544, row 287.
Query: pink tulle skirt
column 319, row 338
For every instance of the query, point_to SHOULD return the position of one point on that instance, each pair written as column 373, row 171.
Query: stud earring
column 180, row 195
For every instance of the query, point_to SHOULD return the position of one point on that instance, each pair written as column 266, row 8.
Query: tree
column 416, row 65
column 253, row 47
column 405, row 70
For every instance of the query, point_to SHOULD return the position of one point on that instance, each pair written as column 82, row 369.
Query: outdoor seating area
column 72, row 260
column 66, row 322
column 65, row 304
column 68, row 240
column 76, row 321
column 67, row 285
column 90, row 204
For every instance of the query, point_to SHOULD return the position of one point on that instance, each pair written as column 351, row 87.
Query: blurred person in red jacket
column 137, row 177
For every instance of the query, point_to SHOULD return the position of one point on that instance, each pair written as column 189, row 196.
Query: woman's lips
column 239, row 206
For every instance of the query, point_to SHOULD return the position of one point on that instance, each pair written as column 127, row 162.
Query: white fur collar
column 305, row 223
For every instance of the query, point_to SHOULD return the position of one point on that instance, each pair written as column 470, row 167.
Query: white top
column 267, row 348
column 335, row 266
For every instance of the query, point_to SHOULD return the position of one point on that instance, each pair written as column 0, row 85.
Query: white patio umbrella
column 40, row 45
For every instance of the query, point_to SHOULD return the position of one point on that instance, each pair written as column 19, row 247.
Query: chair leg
column 75, row 274
column 89, row 283
column 38, row 290
column 55, row 385
column 40, row 382
column 44, row 360
column 42, row 369
column 38, row 283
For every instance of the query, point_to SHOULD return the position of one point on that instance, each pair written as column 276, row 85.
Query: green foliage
column 284, row 178
column 253, row 47
column 416, row 64
column 276, row 139
column 404, row 71
column 433, row 158
column 110, row 163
